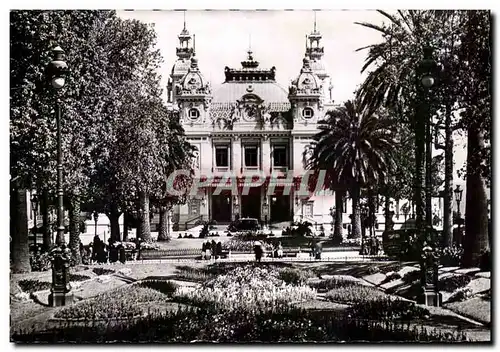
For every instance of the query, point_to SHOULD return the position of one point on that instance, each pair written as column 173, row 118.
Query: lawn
column 477, row 308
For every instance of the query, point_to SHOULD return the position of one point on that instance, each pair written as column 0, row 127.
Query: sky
column 277, row 38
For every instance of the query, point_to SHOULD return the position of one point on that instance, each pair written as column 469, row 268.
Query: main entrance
column 250, row 204
column 221, row 207
column 280, row 208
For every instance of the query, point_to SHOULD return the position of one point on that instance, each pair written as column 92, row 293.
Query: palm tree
column 355, row 146
column 391, row 83
column 463, row 42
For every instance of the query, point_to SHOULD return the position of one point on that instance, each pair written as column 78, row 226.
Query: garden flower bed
column 124, row 302
column 249, row 288
column 211, row 325
column 353, row 294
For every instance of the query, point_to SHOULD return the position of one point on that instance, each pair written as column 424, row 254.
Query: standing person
column 203, row 249
column 123, row 257
column 208, row 253
column 213, row 247
column 280, row 250
column 258, row 251
column 219, row 249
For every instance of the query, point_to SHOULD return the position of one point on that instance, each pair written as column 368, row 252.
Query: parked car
column 243, row 225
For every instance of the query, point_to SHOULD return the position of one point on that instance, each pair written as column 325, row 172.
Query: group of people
column 371, row 246
column 211, row 250
column 260, row 249
column 101, row 253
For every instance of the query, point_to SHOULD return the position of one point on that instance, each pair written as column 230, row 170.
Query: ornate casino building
column 251, row 124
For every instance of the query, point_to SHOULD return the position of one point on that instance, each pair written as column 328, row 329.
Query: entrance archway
column 221, row 207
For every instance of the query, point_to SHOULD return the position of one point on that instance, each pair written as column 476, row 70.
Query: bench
column 170, row 254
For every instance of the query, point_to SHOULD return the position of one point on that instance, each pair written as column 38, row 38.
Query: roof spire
column 194, row 44
column 184, row 19
column 314, row 21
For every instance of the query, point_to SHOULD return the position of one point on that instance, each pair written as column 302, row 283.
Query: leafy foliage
column 388, row 309
column 453, row 282
column 30, row 285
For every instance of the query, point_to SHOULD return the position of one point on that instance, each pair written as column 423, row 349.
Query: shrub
column 391, row 277
column 102, row 271
column 412, row 276
column 166, row 287
column 388, row 309
column 293, row 276
column 373, row 269
column 390, row 267
column 30, row 286
column 289, row 325
column 485, row 261
column 333, row 283
column 78, row 277
column 120, row 303
column 41, row 262
column 451, row 283
column 461, row 294
column 192, row 274
column 354, row 294
column 451, row 256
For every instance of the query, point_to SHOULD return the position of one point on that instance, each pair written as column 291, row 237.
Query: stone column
column 236, row 159
column 266, row 155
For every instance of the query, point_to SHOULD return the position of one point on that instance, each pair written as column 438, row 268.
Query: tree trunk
column 387, row 214
column 476, row 204
column 339, row 199
column 74, row 229
column 355, row 221
column 448, row 181
column 145, row 227
column 114, row 221
column 47, row 230
column 125, row 226
column 19, row 232
column 163, row 234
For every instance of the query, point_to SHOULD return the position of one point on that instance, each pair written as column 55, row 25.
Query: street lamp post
column 34, row 208
column 458, row 198
column 427, row 74
column 425, row 80
column 60, row 294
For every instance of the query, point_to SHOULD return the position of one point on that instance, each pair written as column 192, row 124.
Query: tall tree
column 357, row 145
column 476, row 119
column 33, row 129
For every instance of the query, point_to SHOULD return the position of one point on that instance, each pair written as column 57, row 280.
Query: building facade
column 251, row 125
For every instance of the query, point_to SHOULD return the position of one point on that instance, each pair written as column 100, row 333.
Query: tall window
column 222, row 156
column 280, row 156
column 194, row 207
column 251, row 156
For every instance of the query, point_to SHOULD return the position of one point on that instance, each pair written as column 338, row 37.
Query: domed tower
column 193, row 96
column 315, row 52
column 181, row 66
column 305, row 96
